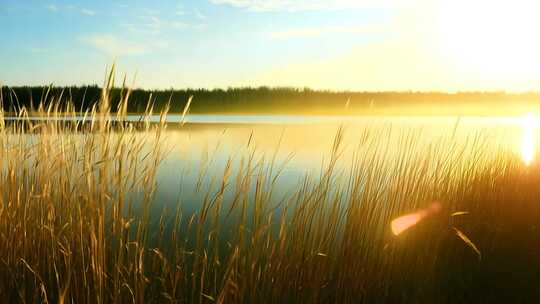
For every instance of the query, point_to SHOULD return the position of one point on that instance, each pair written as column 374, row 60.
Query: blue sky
column 326, row 44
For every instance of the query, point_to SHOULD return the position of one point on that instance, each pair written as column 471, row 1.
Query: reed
column 78, row 223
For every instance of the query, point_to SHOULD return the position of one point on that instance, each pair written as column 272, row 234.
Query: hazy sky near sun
column 323, row 44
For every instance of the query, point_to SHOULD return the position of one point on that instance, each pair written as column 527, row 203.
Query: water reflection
column 528, row 142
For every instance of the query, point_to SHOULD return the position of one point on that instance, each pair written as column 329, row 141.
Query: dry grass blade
column 185, row 111
column 467, row 241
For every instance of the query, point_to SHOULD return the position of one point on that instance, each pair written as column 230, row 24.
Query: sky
column 360, row 45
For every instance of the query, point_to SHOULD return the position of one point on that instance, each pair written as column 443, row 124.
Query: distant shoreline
column 277, row 101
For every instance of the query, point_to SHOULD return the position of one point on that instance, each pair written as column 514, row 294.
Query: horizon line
column 276, row 88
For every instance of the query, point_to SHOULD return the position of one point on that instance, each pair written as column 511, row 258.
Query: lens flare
column 402, row 223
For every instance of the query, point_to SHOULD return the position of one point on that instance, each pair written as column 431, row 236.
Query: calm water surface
column 301, row 145
column 200, row 146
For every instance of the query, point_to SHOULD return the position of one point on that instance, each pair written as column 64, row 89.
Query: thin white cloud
column 179, row 25
column 113, row 45
column 313, row 32
column 180, row 10
column 36, row 49
column 305, row 5
column 199, row 15
column 148, row 24
column 71, row 9
column 52, row 8
column 151, row 12
column 154, row 22
column 88, row 12
column 155, row 25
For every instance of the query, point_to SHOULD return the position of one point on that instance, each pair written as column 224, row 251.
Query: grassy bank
column 77, row 223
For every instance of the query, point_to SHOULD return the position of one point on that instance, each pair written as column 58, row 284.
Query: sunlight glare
column 495, row 37
column 528, row 143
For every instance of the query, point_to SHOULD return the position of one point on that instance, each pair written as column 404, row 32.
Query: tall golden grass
column 76, row 218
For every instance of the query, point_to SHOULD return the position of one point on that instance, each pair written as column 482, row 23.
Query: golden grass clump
column 78, row 223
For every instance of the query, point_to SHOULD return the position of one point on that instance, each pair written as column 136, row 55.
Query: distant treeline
column 271, row 100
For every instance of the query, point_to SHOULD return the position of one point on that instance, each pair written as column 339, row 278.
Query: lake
column 199, row 146
column 300, row 146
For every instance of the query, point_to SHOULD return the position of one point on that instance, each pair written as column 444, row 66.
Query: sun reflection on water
column 528, row 141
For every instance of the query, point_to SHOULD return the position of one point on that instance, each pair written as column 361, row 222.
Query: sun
column 493, row 36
